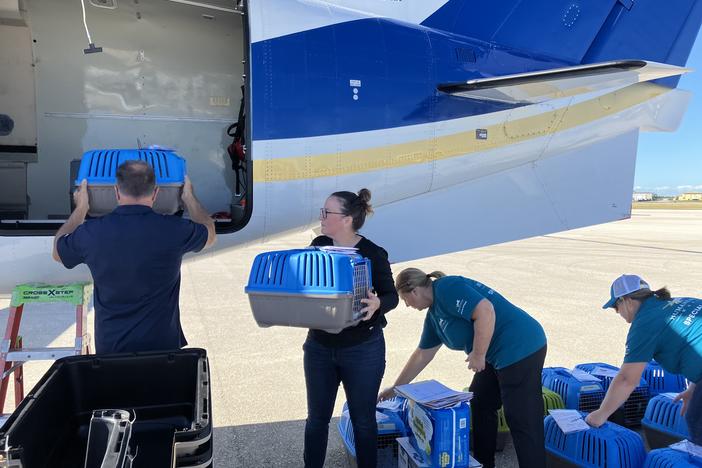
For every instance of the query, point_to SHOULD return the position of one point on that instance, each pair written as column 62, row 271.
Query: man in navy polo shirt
column 134, row 255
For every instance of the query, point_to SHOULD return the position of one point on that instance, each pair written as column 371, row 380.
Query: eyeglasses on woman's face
column 323, row 213
column 618, row 304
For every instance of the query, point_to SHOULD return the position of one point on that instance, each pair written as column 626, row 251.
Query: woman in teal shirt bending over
column 663, row 328
column 505, row 346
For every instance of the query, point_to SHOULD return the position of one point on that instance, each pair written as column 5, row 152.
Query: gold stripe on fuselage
column 457, row 144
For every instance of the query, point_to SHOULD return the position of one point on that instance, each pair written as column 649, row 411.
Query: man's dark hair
column 136, row 179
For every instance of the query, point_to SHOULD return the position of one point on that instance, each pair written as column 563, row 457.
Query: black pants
column 518, row 388
column 693, row 417
column 360, row 369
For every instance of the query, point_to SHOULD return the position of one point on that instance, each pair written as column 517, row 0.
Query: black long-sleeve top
column 384, row 286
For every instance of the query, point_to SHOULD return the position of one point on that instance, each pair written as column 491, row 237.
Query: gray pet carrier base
column 329, row 312
column 102, row 199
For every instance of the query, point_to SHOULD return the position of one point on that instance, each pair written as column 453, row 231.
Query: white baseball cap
column 625, row 284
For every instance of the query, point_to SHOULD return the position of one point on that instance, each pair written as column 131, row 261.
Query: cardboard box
column 408, row 457
column 441, row 436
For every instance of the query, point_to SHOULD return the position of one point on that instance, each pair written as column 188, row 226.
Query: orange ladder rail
column 13, row 355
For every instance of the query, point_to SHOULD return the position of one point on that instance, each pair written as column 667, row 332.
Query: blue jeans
column 693, row 417
column 360, row 368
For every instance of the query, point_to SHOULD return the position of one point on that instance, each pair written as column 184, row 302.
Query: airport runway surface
column 258, row 386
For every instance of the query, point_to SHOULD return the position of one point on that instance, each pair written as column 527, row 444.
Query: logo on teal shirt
column 460, row 305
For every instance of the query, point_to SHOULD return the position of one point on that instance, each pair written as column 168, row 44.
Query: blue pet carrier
column 99, row 168
column 607, row 446
column 671, row 458
column 662, row 424
column 397, row 407
column 309, row 288
column 660, row 381
column 388, row 416
column 634, row 408
column 582, row 396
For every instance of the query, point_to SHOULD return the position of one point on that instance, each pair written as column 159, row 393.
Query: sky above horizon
column 671, row 163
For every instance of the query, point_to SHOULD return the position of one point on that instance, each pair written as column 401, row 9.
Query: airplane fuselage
column 338, row 96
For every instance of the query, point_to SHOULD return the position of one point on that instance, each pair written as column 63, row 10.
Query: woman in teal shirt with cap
column 505, row 346
column 663, row 328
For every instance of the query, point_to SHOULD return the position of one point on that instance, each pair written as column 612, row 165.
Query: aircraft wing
column 540, row 86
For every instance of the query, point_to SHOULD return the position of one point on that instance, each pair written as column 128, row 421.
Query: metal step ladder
column 13, row 355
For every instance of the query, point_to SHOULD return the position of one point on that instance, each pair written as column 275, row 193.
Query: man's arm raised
column 80, row 197
column 197, row 212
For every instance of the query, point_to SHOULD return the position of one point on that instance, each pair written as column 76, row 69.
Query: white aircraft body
column 471, row 123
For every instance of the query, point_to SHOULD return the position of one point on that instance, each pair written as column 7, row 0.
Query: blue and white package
column 441, row 435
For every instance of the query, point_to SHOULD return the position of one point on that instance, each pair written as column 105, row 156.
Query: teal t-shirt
column 669, row 332
column 449, row 321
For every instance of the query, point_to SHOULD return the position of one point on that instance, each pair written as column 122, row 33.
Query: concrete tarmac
column 258, row 386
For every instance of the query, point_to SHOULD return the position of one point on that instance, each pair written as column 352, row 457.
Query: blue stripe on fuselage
column 301, row 82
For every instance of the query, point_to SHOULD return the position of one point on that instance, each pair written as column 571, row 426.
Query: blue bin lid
column 663, row 414
column 100, row 166
column 590, row 367
column 306, row 271
column 605, row 446
column 666, row 457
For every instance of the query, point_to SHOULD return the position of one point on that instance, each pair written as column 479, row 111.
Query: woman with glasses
column 506, row 349
column 663, row 328
column 356, row 355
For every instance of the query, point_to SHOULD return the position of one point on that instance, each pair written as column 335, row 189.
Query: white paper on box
column 583, row 376
column 688, row 447
column 569, row 420
column 393, row 404
column 604, row 372
column 432, row 394
column 340, row 250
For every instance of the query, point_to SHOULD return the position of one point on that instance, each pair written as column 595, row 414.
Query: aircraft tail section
column 579, row 31
column 649, row 30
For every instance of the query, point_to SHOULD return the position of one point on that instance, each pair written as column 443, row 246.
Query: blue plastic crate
column 662, row 423
column 610, row 445
column 670, row 458
column 310, row 288
column 388, row 416
column 99, row 168
column 635, row 406
column 582, row 396
column 660, row 381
